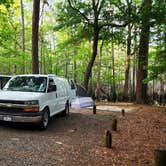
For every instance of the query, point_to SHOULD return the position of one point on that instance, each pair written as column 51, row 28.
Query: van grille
column 11, row 110
column 12, row 101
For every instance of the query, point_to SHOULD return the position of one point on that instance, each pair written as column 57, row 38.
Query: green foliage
column 65, row 38
column 6, row 3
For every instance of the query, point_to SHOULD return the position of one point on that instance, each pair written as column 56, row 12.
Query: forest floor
column 78, row 139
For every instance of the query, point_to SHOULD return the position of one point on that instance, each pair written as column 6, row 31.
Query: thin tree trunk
column 97, row 91
column 141, row 89
column 14, row 69
column 44, row 63
column 41, row 70
column 23, row 35
column 134, row 72
column 66, row 66
column 41, row 52
column 75, row 66
column 113, row 73
column 91, row 62
column 15, row 65
column 127, row 70
column 35, row 29
column 50, row 61
column 134, row 63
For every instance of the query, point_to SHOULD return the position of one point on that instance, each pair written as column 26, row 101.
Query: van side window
column 51, row 85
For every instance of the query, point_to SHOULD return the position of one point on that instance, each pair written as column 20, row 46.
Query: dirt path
column 78, row 140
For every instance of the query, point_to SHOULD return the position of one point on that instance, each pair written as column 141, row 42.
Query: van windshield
column 27, row 84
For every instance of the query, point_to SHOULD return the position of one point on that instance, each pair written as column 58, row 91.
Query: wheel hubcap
column 45, row 119
column 67, row 109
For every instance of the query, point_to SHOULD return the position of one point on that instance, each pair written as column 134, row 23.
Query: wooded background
column 115, row 48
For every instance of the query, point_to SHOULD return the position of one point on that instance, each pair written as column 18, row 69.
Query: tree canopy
column 95, row 42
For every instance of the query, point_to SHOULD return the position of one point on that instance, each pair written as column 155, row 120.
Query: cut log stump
column 123, row 112
column 94, row 109
column 160, row 157
column 108, row 139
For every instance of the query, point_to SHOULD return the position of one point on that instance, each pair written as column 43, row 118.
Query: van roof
column 42, row 75
column 37, row 75
column 5, row 76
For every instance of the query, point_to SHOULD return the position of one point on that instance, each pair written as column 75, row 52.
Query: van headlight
column 31, row 102
column 31, row 106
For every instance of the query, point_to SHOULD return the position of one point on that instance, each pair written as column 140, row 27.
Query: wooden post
column 94, row 109
column 123, row 112
column 114, row 125
column 160, row 157
column 108, row 139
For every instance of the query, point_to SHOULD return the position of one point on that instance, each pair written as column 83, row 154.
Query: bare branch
column 97, row 4
column 101, row 5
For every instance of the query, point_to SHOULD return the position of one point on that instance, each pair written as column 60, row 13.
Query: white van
column 35, row 98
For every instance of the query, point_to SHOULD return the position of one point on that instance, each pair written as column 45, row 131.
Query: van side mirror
column 52, row 88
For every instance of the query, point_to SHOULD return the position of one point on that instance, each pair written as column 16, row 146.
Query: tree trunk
column 14, row 69
column 134, row 72
column 97, row 91
column 134, row 64
column 41, row 54
column 66, row 66
column 35, row 29
column 127, row 70
column 41, row 32
column 114, row 96
column 44, row 63
column 75, row 66
column 91, row 62
column 23, row 35
column 141, row 89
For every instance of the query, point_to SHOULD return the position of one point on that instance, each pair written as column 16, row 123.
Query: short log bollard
column 94, row 109
column 114, row 125
column 123, row 112
column 160, row 157
column 108, row 139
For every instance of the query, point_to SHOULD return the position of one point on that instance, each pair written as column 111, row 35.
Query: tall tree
column 97, row 90
column 96, row 14
column 35, row 30
column 23, row 34
column 127, row 69
column 114, row 96
column 141, row 89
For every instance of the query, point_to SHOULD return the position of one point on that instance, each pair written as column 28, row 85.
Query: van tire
column 45, row 119
column 66, row 111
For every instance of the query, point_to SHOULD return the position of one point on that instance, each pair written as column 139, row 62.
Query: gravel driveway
column 78, row 140
column 23, row 144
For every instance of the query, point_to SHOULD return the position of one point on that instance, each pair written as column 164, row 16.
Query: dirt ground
column 78, row 139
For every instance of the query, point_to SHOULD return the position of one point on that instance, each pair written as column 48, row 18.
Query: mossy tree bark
column 141, row 89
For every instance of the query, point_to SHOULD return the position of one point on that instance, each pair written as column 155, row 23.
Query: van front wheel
column 45, row 119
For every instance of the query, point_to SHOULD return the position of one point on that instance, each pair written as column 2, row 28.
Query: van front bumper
column 25, row 118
